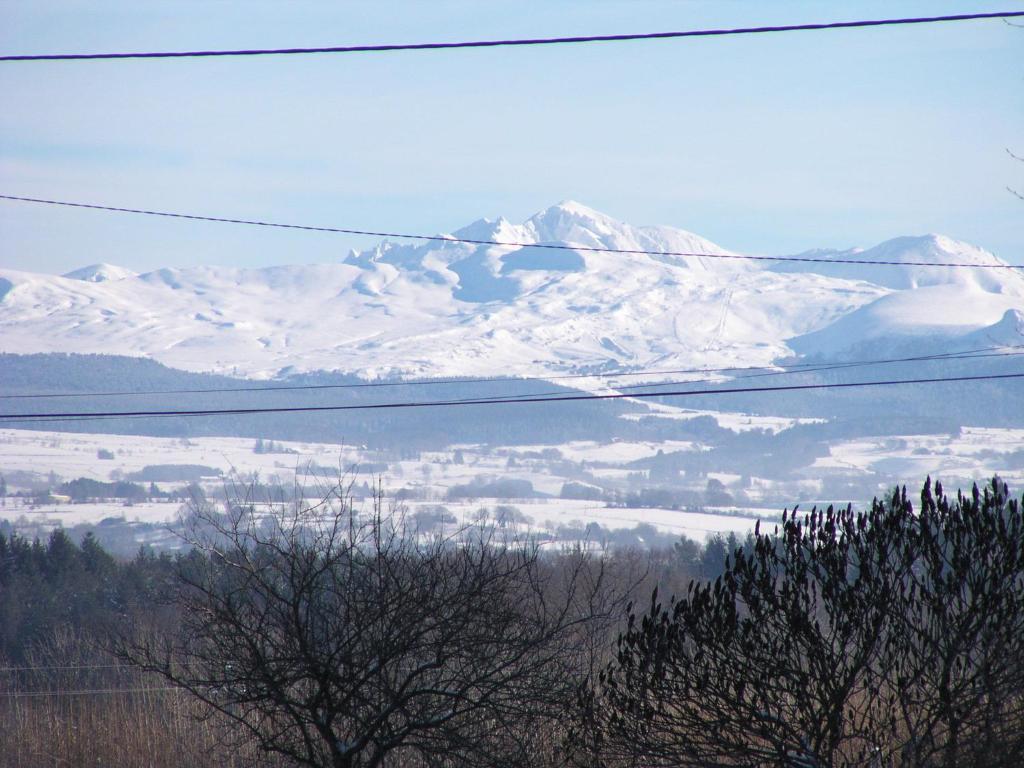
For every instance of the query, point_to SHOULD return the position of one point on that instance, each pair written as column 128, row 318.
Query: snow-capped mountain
column 99, row 273
column 454, row 308
column 932, row 309
column 910, row 251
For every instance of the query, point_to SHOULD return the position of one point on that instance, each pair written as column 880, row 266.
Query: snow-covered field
column 976, row 452
column 71, row 455
column 615, row 452
column 538, row 516
column 552, row 514
column 973, row 454
column 736, row 422
column 68, row 515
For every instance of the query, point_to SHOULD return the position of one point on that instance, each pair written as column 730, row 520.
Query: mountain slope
column 911, row 251
column 938, row 308
column 99, row 273
column 938, row 316
column 447, row 308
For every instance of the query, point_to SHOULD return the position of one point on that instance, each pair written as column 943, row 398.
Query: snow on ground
column 550, row 514
column 736, row 422
column 976, row 452
column 616, row 452
column 67, row 515
column 426, row 480
column 72, row 455
column 540, row 516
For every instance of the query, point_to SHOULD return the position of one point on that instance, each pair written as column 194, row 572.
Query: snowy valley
column 616, row 308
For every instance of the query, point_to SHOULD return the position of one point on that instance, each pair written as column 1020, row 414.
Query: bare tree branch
column 335, row 636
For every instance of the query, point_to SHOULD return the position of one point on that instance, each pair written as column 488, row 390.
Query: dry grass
column 154, row 729
column 66, row 706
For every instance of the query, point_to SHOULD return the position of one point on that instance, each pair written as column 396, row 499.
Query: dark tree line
column 58, row 585
column 889, row 637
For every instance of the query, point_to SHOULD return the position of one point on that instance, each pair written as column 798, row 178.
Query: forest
column 340, row 634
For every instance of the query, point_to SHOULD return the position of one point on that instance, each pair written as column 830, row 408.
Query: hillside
column 451, row 308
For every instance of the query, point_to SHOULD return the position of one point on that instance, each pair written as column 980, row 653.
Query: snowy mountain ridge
column 452, row 308
column 915, row 250
column 99, row 273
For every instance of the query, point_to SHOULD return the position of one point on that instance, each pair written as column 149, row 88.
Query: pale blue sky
column 766, row 144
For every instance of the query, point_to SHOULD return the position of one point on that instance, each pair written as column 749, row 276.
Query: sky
column 767, row 144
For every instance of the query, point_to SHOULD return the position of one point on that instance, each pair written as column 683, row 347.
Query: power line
column 811, row 369
column 631, row 389
column 771, row 370
column 102, row 415
column 547, row 395
column 92, row 692
column 521, row 41
column 816, row 368
column 63, row 667
column 509, row 244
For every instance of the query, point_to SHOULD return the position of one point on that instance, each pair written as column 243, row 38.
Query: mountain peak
column 481, row 229
column 933, row 244
column 572, row 222
column 100, row 273
column 910, row 261
column 611, row 294
column 575, row 208
column 571, row 212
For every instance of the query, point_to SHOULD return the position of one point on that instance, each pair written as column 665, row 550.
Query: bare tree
column 1011, row 190
column 335, row 637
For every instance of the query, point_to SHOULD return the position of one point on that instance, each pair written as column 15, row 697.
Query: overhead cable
column 764, row 371
column 770, row 370
column 504, row 43
column 62, row 667
column 771, row 373
column 90, row 692
column 507, row 244
column 103, row 415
